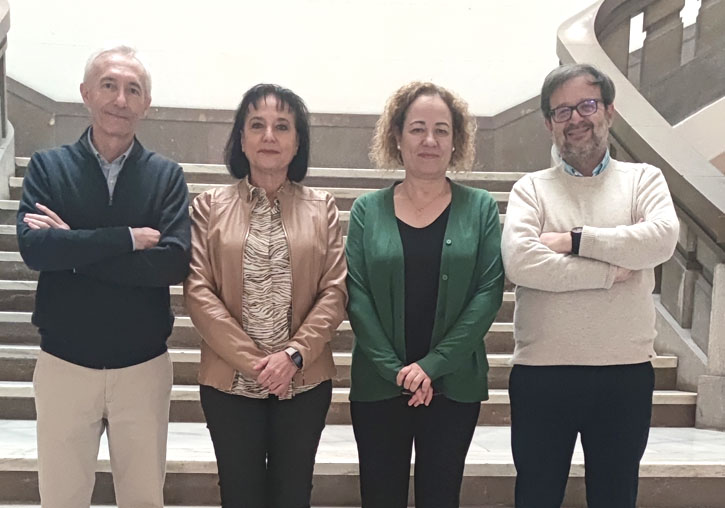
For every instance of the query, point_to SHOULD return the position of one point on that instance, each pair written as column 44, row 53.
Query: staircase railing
column 7, row 145
column 691, row 321
column 674, row 62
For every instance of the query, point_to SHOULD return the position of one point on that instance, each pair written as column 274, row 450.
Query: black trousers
column 265, row 448
column 385, row 431
column 610, row 406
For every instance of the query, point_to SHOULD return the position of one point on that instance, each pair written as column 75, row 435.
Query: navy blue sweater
column 99, row 304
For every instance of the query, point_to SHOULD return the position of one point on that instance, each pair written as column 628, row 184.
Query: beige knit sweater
column 569, row 310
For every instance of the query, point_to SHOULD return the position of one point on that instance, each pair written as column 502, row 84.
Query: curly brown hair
column 384, row 150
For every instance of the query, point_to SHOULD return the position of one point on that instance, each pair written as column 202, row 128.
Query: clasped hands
column 144, row 238
column 414, row 379
column 276, row 372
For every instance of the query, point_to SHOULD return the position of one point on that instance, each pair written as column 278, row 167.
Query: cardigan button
column 444, row 277
column 449, row 241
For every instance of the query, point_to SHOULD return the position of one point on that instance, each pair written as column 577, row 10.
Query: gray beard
column 583, row 155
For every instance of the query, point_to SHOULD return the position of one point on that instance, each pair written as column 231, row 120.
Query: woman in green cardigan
column 425, row 281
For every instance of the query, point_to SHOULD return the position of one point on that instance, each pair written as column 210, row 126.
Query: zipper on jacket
column 118, row 180
column 253, row 202
column 105, row 182
column 289, row 254
column 291, row 280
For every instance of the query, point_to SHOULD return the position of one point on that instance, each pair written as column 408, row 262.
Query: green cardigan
column 469, row 296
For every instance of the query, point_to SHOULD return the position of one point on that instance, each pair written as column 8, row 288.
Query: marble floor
column 672, row 452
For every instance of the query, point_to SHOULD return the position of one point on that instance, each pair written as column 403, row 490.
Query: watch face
column 297, row 358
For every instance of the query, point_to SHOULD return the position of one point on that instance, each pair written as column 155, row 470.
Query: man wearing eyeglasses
column 581, row 241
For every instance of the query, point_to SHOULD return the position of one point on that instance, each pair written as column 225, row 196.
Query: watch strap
column 576, row 239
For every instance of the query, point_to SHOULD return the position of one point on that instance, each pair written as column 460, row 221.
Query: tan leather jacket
column 213, row 289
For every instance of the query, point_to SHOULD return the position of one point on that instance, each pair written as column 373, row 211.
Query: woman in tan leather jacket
column 266, row 292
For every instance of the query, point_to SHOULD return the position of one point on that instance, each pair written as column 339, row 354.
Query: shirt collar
column 600, row 167
column 119, row 160
column 256, row 192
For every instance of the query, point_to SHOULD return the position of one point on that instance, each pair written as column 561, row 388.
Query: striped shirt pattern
column 267, row 292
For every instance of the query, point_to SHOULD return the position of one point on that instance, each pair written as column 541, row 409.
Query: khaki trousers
column 76, row 404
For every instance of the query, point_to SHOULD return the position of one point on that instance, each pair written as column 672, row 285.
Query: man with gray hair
column 106, row 222
column 581, row 241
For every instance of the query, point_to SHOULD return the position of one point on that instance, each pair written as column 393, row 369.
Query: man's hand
column 622, row 274
column 47, row 220
column 411, row 377
column 275, row 372
column 145, row 238
column 558, row 242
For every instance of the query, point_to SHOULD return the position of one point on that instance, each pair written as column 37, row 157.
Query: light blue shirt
column 600, row 167
column 111, row 171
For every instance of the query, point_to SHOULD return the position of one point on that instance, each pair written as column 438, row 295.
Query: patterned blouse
column 267, row 292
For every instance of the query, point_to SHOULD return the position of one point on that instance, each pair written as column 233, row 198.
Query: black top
column 98, row 303
column 422, row 248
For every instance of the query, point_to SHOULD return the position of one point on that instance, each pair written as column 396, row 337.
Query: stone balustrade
column 7, row 139
column 691, row 306
column 676, row 71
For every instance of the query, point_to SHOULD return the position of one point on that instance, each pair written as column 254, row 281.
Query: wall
column 513, row 140
column 705, row 131
column 341, row 56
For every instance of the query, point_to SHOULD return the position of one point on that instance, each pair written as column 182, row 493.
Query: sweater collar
column 597, row 170
column 118, row 160
column 135, row 153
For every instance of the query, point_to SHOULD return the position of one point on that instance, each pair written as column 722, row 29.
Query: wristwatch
column 295, row 356
column 576, row 239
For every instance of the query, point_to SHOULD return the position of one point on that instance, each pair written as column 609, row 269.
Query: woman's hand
column 411, row 377
column 275, row 372
column 421, row 397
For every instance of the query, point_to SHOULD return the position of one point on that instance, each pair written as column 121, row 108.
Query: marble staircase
column 673, row 474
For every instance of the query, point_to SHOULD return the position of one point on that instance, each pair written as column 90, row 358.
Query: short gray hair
column 126, row 51
column 564, row 73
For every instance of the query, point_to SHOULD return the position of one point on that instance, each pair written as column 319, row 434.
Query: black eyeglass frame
column 576, row 107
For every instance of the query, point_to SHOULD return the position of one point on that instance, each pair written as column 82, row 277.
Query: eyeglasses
column 587, row 107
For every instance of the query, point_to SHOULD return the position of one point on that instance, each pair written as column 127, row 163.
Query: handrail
column 4, row 19
column 4, row 29
column 696, row 185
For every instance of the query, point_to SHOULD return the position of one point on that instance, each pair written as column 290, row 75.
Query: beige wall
column 341, row 56
column 512, row 140
column 705, row 130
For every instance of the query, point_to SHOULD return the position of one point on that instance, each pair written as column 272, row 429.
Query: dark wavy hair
column 235, row 159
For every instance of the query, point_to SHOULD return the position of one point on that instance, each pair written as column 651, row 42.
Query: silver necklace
column 419, row 210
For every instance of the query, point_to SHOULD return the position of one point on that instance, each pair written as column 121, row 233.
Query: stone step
column 9, row 212
column 16, row 329
column 8, row 238
column 12, row 266
column 682, row 467
column 19, row 295
column 339, row 177
column 17, row 364
column 671, row 408
column 344, row 196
